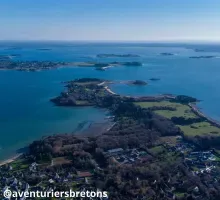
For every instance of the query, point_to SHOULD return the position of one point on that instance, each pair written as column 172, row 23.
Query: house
column 196, row 189
column 4, row 189
column 4, row 180
column 69, row 176
column 25, row 187
column 51, row 181
column 33, row 167
column 86, row 181
column 115, row 151
column 14, row 182
column 56, row 176
column 84, row 174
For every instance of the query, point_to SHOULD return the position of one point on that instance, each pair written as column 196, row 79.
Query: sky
column 113, row 20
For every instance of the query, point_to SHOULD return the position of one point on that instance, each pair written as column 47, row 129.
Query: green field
column 179, row 194
column 20, row 164
column 181, row 110
column 201, row 128
column 194, row 129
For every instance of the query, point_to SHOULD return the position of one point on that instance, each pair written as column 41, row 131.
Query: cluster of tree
column 116, row 55
column 205, row 141
column 186, row 121
column 132, row 63
column 78, row 92
column 184, row 99
column 82, row 160
column 138, row 82
column 99, row 65
column 12, row 64
column 83, row 80
column 154, row 108
column 134, row 127
column 80, row 150
column 151, row 179
column 154, row 181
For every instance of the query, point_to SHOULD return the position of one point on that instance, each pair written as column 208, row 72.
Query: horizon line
column 112, row 41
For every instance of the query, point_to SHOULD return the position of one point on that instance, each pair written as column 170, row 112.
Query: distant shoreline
column 34, row 66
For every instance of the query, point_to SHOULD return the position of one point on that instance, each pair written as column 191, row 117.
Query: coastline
column 193, row 107
column 10, row 160
column 109, row 90
column 198, row 112
column 107, row 126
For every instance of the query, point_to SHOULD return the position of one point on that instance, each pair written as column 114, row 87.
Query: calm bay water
column 26, row 113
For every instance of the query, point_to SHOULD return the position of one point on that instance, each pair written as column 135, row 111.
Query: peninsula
column 153, row 143
column 181, row 110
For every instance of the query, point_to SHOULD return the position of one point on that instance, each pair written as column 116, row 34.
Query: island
column 4, row 58
column 154, row 79
column 117, row 55
column 127, row 63
column 7, row 58
column 8, row 64
column 15, row 55
column 137, row 82
column 13, row 48
column 44, row 49
column 202, row 57
column 199, row 50
column 166, row 54
column 157, row 147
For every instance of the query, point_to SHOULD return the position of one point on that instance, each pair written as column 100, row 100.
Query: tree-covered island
column 7, row 63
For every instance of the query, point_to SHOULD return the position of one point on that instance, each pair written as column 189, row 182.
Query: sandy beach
column 109, row 90
column 4, row 162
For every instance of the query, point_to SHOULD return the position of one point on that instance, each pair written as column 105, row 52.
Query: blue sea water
column 26, row 113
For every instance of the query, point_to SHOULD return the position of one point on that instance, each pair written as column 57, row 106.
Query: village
column 200, row 163
column 62, row 179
